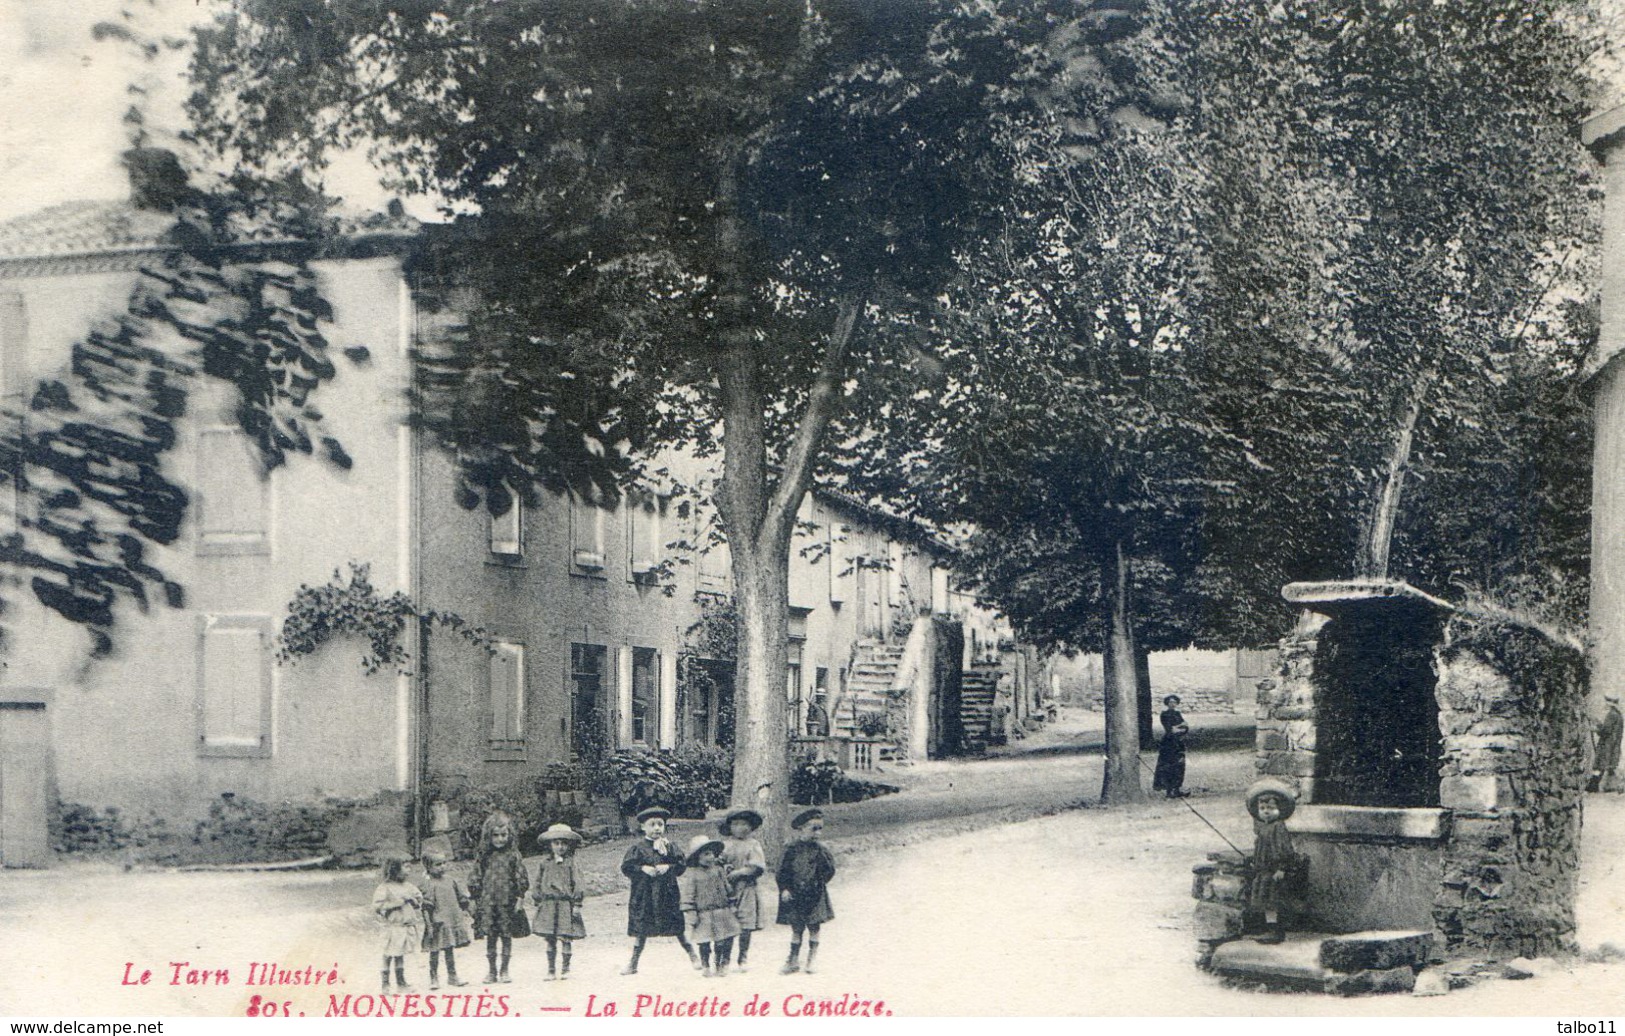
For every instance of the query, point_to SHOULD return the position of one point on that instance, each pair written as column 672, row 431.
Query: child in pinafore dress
column 558, row 893
column 499, row 887
column 804, row 873
column 1274, row 861
column 744, row 862
column 706, row 908
column 652, row 909
column 395, row 901
column 445, row 928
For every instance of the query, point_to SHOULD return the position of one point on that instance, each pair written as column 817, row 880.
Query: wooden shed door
column 24, row 784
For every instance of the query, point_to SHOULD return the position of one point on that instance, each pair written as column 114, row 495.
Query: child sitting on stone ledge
column 1274, row 862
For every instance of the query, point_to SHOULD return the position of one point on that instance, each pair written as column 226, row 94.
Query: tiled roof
column 80, row 228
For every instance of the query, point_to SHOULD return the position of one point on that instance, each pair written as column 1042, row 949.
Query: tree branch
column 798, row 461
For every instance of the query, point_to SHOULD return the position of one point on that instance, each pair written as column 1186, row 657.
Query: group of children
column 707, row 896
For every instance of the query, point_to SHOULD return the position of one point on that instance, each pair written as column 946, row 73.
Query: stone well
column 1440, row 762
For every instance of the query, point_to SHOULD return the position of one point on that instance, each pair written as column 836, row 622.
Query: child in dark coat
column 558, row 894
column 654, row 907
column 499, row 887
column 804, row 873
column 445, row 898
column 1274, row 862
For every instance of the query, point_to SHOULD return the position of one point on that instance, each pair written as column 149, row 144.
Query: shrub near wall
column 823, row 782
column 235, row 830
column 690, row 780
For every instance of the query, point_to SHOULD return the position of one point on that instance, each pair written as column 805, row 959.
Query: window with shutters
column 13, row 377
column 840, row 564
column 589, row 720
column 233, row 495
column 586, row 537
column 645, row 696
column 645, row 549
column 508, row 530
column 795, row 653
column 715, row 560
column 234, row 686
column 506, row 666
column 13, row 345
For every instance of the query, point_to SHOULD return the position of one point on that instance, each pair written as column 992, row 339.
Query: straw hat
column 654, row 811
column 1272, row 786
column 806, row 817
column 698, row 844
column 558, row 833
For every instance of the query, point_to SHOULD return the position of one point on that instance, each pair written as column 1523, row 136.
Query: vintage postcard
column 711, row 509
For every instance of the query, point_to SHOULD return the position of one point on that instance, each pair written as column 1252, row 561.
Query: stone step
column 1294, row 963
column 1363, row 951
column 1347, row 965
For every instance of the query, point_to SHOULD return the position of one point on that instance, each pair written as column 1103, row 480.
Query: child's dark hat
column 1286, row 793
column 749, row 816
column 654, row 811
column 806, row 817
column 1172, row 699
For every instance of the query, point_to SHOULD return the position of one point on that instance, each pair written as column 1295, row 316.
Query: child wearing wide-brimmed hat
column 710, row 916
column 804, row 873
column 446, row 928
column 558, row 892
column 653, row 908
column 743, row 861
column 1271, row 801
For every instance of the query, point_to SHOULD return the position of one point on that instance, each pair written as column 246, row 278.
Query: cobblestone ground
column 940, row 911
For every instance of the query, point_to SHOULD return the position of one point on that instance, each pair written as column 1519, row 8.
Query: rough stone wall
column 1285, row 742
column 1192, row 699
column 1511, row 709
column 1220, row 890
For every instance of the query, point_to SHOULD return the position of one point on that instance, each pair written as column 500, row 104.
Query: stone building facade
column 591, row 608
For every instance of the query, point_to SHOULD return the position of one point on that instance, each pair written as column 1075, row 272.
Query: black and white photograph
column 820, row 509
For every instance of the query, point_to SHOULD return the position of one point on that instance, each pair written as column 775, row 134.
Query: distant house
column 595, row 612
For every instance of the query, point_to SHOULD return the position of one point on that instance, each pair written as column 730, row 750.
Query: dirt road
column 1082, row 911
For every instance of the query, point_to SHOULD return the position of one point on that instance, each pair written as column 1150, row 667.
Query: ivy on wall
column 320, row 614
column 87, row 457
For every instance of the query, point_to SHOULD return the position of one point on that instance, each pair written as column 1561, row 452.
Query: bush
column 823, row 782
column 473, row 803
column 689, row 780
column 78, row 828
column 241, row 830
column 872, row 724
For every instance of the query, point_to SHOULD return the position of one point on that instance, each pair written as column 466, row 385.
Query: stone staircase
column 874, row 669
column 977, row 690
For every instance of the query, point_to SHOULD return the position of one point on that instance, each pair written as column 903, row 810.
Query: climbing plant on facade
column 89, row 452
column 320, row 614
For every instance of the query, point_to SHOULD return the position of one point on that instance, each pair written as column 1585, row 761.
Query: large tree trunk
column 761, row 749
column 758, row 519
column 1121, row 781
column 1379, row 525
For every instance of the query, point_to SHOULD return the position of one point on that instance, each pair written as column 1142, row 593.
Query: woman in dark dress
column 1170, row 775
